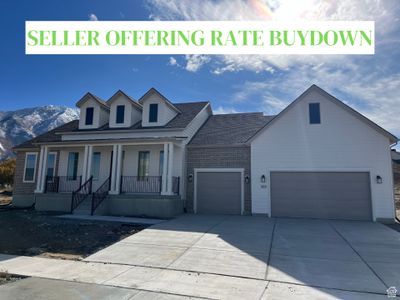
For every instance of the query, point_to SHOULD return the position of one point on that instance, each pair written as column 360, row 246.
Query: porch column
column 165, row 171
column 85, row 162
column 113, row 169
column 118, row 170
column 42, row 168
column 89, row 162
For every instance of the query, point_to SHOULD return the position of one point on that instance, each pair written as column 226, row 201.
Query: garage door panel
column 333, row 195
column 218, row 192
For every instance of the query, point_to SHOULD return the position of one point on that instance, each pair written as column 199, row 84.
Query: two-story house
column 317, row 158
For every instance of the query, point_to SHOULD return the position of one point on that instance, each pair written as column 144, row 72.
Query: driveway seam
column 188, row 248
column 363, row 260
column 265, row 290
column 270, row 248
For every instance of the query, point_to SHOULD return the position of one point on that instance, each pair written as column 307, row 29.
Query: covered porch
column 98, row 172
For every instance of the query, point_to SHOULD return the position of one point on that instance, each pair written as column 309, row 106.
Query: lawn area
column 26, row 232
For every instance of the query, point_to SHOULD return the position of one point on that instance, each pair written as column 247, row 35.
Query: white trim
column 219, row 170
column 34, row 169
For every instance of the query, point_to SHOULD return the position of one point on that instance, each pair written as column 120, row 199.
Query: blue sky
column 371, row 84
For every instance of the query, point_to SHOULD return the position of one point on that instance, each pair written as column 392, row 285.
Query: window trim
column 123, row 114
column 86, row 116
column 54, row 165
column 156, row 112
column 138, row 166
column 309, row 113
column 34, row 169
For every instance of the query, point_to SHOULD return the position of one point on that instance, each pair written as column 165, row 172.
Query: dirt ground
column 26, row 232
column 5, row 197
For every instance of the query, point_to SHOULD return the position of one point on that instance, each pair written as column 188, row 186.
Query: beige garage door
column 219, row 193
column 327, row 195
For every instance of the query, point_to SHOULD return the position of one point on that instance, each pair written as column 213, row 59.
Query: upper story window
column 120, row 118
column 30, row 167
column 315, row 113
column 153, row 113
column 89, row 116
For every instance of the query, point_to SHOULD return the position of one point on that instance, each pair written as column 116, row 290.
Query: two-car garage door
column 331, row 195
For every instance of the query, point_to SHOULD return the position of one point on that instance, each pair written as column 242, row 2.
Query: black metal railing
column 141, row 184
column 100, row 195
column 81, row 193
column 175, row 185
column 62, row 184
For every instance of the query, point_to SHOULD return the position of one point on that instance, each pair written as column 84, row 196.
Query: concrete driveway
column 257, row 257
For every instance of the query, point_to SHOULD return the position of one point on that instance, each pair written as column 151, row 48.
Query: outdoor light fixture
column 263, row 178
column 190, row 177
column 378, row 179
column 247, row 179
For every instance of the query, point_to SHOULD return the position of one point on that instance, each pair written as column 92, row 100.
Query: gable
column 329, row 107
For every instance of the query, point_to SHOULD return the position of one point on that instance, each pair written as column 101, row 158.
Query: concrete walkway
column 221, row 257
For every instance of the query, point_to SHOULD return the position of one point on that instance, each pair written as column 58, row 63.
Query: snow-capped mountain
column 21, row 125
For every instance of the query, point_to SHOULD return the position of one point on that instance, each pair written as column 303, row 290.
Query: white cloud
column 195, row 62
column 224, row 110
column 93, row 17
column 173, row 62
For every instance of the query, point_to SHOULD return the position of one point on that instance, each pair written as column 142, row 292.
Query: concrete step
column 82, row 212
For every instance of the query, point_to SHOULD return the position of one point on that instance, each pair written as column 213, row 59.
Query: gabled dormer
column 124, row 111
column 94, row 112
column 157, row 109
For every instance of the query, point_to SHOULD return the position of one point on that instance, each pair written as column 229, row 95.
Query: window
column 51, row 165
column 143, row 165
column 153, row 113
column 120, row 114
column 72, row 170
column 96, row 165
column 30, row 167
column 89, row 116
column 315, row 115
column 161, row 167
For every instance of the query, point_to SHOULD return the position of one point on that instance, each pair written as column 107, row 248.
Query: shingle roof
column 188, row 112
column 228, row 129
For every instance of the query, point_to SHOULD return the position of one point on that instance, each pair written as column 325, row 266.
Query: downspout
column 395, row 214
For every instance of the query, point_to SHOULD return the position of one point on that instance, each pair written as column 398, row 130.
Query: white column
column 85, row 163
column 170, row 168
column 165, row 171
column 39, row 172
column 44, row 169
column 119, row 170
column 113, row 169
column 89, row 162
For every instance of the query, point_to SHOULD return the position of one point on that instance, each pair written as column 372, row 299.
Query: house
column 395, row 156
column 318, row 158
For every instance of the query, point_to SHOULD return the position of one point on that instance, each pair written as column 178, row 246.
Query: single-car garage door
column 219, row 192
column 329, row 195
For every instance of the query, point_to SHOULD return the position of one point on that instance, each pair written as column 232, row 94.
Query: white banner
column 199, row 37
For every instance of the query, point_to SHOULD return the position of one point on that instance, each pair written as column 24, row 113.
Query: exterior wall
column 100, row 115
column 218, row 157
column 105, row 166
column 63, row 162
column 131, row 159
column 121, row 135
column 132, row 114
column 53, row 202
column 341, row 142
column 165, row 113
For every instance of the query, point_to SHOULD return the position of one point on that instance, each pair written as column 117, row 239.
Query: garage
column 327, row 195
column 219, row 191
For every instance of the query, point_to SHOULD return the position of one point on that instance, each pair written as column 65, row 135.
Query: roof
column 153, row 90
column 182, row 120
column 131, row 100
column 230, row 129
column 333, row 99
column 96, row 98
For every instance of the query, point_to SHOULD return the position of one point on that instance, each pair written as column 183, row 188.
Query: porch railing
column 81, row 193
column 141, row 184
column 62, row 184
column 100, row 195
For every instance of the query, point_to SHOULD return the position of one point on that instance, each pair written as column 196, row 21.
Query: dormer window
column 315, row 114
column 89, row 116
column 153, row 113
column 120, row 118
